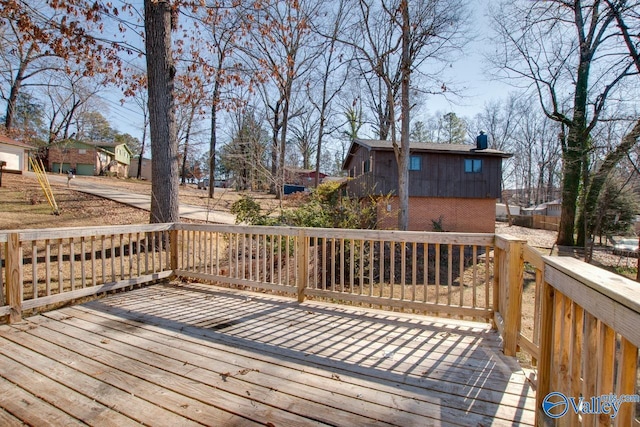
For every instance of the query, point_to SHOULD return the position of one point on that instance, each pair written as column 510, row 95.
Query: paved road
column 140, row 201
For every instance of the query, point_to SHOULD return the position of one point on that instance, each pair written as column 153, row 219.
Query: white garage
column 14, row 153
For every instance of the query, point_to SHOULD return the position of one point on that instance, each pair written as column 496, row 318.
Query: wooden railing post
column 546, row 348
column 510, row 290
column 13, row 271
column 303, row 263
column 173, row 247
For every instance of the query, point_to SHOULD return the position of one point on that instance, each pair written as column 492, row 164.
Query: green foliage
column 324, row 208
column 328, row 208
column 436, row 224
column 247, row 210
column 617, row 208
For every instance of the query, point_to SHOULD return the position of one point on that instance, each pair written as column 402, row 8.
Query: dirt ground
column 544, row 241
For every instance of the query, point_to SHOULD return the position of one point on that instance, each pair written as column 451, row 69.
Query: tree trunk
column 13, row 98
column 214, row 137
column 162, row 121
column 573, row 153
column 403, row 159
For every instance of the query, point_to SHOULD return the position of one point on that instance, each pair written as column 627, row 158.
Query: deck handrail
column 589, row 339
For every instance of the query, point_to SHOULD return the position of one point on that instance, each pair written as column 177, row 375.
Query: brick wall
column 72, row 156
column 458, row 214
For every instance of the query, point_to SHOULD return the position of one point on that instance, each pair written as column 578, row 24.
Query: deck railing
column 427, row 272
column 51, row 266
column 577, row 329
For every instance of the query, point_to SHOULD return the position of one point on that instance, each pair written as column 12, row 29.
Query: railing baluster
column 461, row 276
column 414, row 270
column 590, row 363
column 94, row 274
column 626, row 381
column 352, row 272
column 60, row 267
column 474, row 273
column 425, row 272
column 575, row 357
column 72, row 263
column 34, row 271
column 437, row 272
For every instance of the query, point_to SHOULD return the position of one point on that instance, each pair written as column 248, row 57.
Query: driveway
column 140, row 201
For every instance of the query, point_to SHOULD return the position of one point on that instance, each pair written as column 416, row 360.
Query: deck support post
column 546, row 344
column 510, row 291
column 13, row 271
column 303, row 263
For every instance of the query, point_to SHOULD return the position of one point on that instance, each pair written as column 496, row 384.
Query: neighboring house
column 88, row 158
column 14, row 154
column 146, row 168
column 547, row 209
column 304, row 177
column 454, row 185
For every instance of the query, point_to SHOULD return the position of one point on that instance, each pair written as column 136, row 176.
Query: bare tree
column 159, row 17
column 627, row 20
column 555, row 46
column 279, row 48
column 331, row 73
column 391, row 42
column 66, row 95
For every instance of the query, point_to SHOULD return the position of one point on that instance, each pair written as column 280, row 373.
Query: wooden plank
column 590, row 363
column 606, row 367
column 528, row 346
column 34, row 271
column 94, row 290
column 406, row 305
column 284, row 377
column 33, row 379
column 200, row 382
column 302, row 358
column 74, row 232
column 626, row 381
column 129, row 394
column 31, row 409
column 8, row 420
column 577, row 342
column 614, row 312
column 283, row 336
column 624, row 291
column 303, row 264
column 513, row 292
column 388, row 235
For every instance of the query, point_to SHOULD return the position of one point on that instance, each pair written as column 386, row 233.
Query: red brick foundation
column 458, row 214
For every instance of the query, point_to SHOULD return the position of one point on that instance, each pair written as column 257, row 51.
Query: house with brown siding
column 453, row 185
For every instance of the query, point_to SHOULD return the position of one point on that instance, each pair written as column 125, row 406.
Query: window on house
column 82, row 151
column 473, row 165
column 366, row 166
column 415, row 163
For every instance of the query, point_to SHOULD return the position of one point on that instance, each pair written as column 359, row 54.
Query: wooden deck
column 191, row 354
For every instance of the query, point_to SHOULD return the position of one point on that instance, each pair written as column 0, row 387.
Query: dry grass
column 24, row 206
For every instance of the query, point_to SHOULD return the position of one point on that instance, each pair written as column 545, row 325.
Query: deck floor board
column 192, row 354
